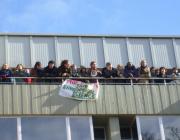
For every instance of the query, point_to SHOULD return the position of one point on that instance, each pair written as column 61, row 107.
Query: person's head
column 5, row 66
column 129, row 64
column 51, row 64
column 73, row 67
column 143, row 63
column 82, row 69
column 93, row 65
column 157, row 71
column 152, row 70
column 20, row 67
column 109, row 66
column 38, row 65
column 65, row 63
column 120, row 67
column 175, row 70
column 162, row 70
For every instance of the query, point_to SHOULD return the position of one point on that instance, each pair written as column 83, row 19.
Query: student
column 143, row 72
column 83, row 73
column 174, row 75
column 51, row 71
column 162, row 75
column 74, row 71
column 153, row 74
column 37, row 71
column 5, row 73
column 94, row 72
column 21, row 72
column 120, row 73
column 109, row 72
column 64, row 70
column 130, row 72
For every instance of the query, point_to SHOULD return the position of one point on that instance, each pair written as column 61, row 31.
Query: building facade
column 121, row 112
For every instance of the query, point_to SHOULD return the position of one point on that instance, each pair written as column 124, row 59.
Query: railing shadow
column 64, row 105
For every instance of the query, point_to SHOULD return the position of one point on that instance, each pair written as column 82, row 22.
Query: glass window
column 99, row 133
column 44, row 128
column 80, row 128
column 8, row 129
column 150, row 128
column 172, row 127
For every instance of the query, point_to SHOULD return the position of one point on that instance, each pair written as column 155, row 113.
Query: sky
column 114, row 17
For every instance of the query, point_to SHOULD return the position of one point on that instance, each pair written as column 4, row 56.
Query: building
column 122, row 112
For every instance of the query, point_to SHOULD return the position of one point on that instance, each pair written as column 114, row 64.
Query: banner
column 79, row 90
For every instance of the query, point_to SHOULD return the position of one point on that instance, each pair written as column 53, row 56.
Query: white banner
column 79, row 90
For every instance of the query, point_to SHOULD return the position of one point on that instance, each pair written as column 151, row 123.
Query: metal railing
column 101, row 80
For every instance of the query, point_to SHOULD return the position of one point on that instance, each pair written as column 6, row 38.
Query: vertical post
column 131, row 81
column 55, row 48
column 151, row 50
column 164, row 81
column 31, row 51
column 19, row 131
column 6, row 49
column 175, row 52
column 128, row 50
column 154, row 61
column 80, row 51
column 138, row 128
column 106, row 57
column 91, row 128
column 68, row 129
column 114, row 129
column 161, row 128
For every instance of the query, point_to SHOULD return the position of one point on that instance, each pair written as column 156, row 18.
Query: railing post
column 131, row 81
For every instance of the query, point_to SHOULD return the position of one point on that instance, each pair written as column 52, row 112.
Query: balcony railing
column 101, row 80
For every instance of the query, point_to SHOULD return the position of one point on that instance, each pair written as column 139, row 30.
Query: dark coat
column 4, row 74
column 109, row 73
column 130, row 71
column 50, row 73
column 161, row 80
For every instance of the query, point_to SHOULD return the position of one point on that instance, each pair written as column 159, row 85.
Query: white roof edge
column 88, row 35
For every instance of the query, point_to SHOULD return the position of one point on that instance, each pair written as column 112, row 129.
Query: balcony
column 113, row 100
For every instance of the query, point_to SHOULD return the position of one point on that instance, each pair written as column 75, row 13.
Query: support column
column 114, row 129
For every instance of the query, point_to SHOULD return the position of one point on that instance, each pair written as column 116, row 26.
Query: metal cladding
column 81, row 50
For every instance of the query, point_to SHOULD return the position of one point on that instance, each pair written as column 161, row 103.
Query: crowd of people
column 121, row 74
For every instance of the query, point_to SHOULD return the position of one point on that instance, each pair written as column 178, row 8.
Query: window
column 80, row 128
column 171, row 127
column 44, row 128
column 150, row 129
column 99, row 133
column 8, row 129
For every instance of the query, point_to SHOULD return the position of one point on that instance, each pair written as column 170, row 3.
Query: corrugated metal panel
column 18, row 51
column 163, row 53
column 91, row 49
column 2, row 51
column 177, row 51
column 43, row 49
column 115, row 51
column 68, row 48
column 114, row 100
column 28, row 50
column 139, row 49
